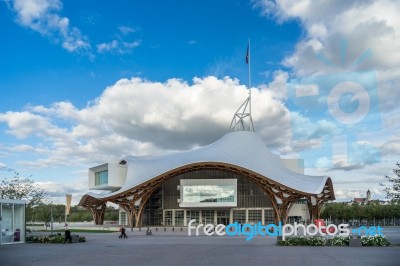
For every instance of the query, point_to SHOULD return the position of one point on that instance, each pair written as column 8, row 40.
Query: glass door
column 223, row 217
column 207, row 216
column 7, row 230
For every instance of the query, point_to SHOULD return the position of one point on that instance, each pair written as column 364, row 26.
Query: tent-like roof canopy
column 241, row 149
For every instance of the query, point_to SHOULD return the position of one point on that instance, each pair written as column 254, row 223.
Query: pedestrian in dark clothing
column 122, row 230
column 67, row 234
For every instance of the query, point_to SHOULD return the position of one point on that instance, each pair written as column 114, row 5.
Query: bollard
column 156, row 229
column 165, row 229
column 173, row 229
column 181, row 228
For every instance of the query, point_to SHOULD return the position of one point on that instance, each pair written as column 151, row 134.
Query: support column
column 143, row 200
column 263, row 216
column 98, row 212
column 130, row 211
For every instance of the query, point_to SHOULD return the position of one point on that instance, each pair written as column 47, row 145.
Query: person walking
column 67, row 235
column 123, row 234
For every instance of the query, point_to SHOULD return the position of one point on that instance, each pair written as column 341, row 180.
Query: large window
column 12, row 223
column 269, row 216
column 208, row 216
column 208, row 193
column 179, row 218
column 193, row 215
column 239, row 216
column 101, row 178
column 168, row 217
column 123, row 218
column 255, row 216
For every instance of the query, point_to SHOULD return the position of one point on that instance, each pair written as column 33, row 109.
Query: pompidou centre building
column 235, row 179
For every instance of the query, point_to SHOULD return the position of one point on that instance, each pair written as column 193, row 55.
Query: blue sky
column 210, row 37
column 85, row 82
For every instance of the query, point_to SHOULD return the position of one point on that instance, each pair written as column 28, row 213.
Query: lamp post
column 51, row 216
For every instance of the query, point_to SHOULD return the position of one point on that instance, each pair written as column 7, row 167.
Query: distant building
column 362, row 201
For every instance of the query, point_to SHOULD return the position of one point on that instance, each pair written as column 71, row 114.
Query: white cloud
column 125, row 30
column 363, row 25
column 21, row 148
column 2, row 166
column 345, row 38
column 350, row 194
column 117, row 47
column 43, row 16
column 24, row 124
column 57, row 190
column 139, row 117
column 105, row 47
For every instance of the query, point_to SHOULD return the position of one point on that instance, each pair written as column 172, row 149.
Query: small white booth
column 12, row 221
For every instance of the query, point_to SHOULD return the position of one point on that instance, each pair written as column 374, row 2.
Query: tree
column 393, row 191
column 22, row 189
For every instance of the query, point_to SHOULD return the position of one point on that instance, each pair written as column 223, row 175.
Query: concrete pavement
column 176, row 248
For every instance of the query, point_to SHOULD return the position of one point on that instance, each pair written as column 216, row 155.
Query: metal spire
column 242, row 120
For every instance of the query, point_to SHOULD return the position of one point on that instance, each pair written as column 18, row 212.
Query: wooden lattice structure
column 282, row 197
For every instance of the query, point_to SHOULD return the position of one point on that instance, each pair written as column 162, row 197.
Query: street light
column 51, row 216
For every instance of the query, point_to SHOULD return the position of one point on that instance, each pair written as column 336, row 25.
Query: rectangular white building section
column 108, row 176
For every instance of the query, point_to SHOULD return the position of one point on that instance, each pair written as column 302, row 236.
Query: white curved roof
column 241, row 148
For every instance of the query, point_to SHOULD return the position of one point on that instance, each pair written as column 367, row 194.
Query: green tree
column 393, row 190
column 20, row 188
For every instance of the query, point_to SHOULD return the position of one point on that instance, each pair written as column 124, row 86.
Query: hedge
column 54, row 239
column 377, row 240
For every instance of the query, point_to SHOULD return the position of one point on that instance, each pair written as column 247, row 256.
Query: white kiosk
column 12, row 221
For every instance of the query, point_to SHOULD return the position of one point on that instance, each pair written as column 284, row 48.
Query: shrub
column 302, row 241
column 55, row 239
column 377, row 240
column 316, row 241
column 339, row 241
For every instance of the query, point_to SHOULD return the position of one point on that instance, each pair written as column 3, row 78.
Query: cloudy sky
column 85, row 82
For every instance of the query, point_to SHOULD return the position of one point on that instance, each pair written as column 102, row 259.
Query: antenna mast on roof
column 242, row 120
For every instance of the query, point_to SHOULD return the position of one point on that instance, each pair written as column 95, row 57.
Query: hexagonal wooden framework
column 282, row 197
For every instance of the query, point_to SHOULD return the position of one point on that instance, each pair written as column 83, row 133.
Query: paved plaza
column 176, row 248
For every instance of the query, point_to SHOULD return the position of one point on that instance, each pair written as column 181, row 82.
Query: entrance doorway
column 223, row 217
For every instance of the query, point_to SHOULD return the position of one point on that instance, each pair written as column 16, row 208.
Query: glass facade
column 12, row 221
column 239, row 216
column 101, row 178
column 208, row 193
column 122, row 218
column 254, row 216
column 179, row 217
column 223, row 217
column 208, row 216
column 191, row 214
column 165, row 208
column 269, row 216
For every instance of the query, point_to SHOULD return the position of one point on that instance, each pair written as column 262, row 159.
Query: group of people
column 67, row 234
